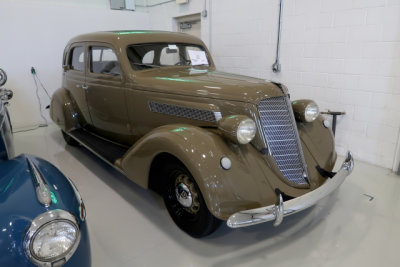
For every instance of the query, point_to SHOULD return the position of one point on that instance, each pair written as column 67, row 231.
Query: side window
column 148, row 58
column 77, row 58
column 103, row 60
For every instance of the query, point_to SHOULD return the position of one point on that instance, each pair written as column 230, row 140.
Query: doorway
column 189, row 24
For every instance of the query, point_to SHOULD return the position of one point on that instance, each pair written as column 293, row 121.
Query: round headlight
column 311, row 111
column 246, row 131
column 3, row 77
column 238, row 128
column 52, row 237
column 305, row 110
column 54, row 240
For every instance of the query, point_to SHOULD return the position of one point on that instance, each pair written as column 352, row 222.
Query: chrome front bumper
column 281, row 209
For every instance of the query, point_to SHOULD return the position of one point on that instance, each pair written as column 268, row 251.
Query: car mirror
column 171, row 51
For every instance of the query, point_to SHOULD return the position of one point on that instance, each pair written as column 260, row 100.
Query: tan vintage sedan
column 217, row 146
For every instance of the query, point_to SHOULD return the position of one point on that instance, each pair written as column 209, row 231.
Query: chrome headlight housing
column 238, row 128
column 305, row 110
column 52, row 238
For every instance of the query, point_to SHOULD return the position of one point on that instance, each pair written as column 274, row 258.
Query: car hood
column 19, row 204
column 206, row 83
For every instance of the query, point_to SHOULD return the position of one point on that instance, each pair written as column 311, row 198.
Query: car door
column 106, row 95
column 75, row 78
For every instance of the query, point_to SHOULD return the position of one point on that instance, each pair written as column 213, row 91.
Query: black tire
column 196, row 220
column 69, row 140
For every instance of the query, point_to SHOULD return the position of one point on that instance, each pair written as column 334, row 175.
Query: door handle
column 85, row 87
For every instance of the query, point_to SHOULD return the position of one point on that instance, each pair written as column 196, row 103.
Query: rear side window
column 77, row 58
column 103, row 60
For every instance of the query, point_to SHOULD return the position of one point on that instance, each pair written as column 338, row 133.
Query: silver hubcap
column 183, row 195
column 186, row 194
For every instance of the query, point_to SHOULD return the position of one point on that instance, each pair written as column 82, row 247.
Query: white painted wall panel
column 34, row 33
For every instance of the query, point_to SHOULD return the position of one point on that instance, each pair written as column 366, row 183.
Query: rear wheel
column 69, row 140
column 185, row 202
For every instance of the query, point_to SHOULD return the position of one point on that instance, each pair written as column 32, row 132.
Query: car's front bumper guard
column 281, row 209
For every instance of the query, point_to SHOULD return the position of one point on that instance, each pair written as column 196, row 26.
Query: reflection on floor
column 359, row 225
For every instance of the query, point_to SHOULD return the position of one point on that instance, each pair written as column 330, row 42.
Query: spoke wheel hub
column 186, row 194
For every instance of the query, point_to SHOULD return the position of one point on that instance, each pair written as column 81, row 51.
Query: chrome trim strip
column 42, row 189
column 218, row 116
column 293, row 119
column 42, row 220
column 2, row 111
column 82, row 211
column 256, row 118
column 270, row 213
column 279, row 212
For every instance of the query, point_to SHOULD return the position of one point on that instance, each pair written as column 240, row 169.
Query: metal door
column 74, row 78
column 105, row 93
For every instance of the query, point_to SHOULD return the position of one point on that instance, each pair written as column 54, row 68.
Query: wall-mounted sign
column 180, row 2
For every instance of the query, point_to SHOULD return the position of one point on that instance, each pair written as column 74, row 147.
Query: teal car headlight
column 52, row 238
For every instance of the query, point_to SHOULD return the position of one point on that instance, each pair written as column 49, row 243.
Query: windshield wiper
column 145, row 65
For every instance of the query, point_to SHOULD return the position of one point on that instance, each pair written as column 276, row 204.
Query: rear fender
column 64, row 112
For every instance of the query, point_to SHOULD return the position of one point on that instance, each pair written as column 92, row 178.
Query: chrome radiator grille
column 280, row 131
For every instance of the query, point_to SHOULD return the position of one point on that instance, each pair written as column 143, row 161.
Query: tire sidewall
column 203, row 222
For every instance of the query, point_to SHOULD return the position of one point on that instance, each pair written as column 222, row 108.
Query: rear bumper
column 281, row 209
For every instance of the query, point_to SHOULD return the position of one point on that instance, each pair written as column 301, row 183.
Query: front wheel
column 185, row 202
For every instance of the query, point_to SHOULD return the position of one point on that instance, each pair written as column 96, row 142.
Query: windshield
column 156, row 55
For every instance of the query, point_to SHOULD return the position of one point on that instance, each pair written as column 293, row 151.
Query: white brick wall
column 345, row 54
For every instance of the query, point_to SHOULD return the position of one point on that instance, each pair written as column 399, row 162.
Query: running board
column 102, row 148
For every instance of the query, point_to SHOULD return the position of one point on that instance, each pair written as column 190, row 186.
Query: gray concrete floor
column 129, row 226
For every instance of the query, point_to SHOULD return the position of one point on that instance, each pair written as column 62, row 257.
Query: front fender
column 201, row 150
column 319, row 142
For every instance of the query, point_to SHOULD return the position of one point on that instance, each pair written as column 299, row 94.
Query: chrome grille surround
column 280, row 132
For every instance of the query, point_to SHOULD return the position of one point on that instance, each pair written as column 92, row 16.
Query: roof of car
column 127, row 37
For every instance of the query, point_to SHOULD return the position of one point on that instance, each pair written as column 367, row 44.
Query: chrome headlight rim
column 38, row 224
column 311, row 117
column 3, row 77
column 242, row 140
column 230, row 128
